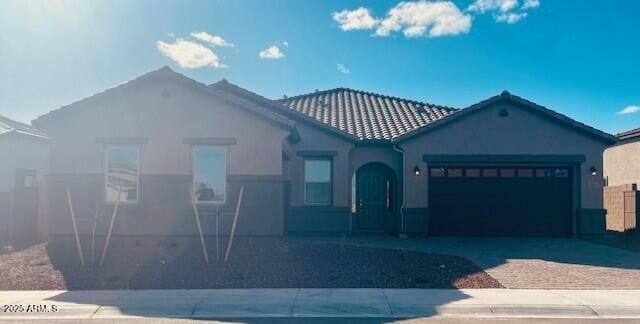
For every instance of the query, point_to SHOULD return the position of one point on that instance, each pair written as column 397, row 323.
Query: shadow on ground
column 178, row 263
column 542, row 263
column 323, row 262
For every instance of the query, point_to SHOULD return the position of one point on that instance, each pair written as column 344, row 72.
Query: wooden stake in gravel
column 233, row 227
column 204, row 245
column 113, row 220
column 75, row 227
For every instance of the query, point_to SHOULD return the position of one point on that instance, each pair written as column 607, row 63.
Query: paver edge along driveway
column 541, row 263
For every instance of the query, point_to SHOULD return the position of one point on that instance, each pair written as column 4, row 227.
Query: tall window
column 210, row 174
column 122, row 173
column 317, row 182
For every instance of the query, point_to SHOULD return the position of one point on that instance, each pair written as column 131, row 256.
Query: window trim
column 106, row 173
column 304, row 179
column 194, row 148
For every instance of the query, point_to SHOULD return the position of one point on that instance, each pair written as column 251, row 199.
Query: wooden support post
column 113, row 220
column 75, row 227
column 235, row 221
column 204, row 245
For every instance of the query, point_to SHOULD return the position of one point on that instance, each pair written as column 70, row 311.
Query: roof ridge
column 505, row 95
column 559, row 115
column 281, row 107
column 163, row 69
column 371, row 93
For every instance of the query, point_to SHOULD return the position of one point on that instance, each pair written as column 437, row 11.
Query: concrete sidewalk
column 327, row 303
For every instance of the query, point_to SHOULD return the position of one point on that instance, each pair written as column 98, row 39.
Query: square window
column 525, row 173
column 472, row 173
column 29, row 181
column 489, row 173
column 436, row 172
column 507, row 173
column 122, row 173
column 210, row 174
column 541, row 173
column 454, row 173
column 560, row 173
column 317, row 181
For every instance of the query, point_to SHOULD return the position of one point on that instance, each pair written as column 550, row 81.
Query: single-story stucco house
column 622, row 175
column 339, row 160
column 23, row 170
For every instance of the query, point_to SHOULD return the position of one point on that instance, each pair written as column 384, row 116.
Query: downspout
column 404, row 185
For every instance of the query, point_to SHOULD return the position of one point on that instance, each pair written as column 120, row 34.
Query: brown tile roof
column 8, row 126
column 366, row 115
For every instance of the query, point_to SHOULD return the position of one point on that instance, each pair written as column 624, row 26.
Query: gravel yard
column 254, row 263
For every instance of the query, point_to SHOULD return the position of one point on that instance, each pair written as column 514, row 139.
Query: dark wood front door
column 371, row 197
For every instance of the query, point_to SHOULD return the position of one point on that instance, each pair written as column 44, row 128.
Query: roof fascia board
column 504, row 158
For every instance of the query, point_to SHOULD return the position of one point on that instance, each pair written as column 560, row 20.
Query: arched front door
column 374, row 198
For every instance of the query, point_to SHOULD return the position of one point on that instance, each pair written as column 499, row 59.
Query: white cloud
column 285, row 43
column 272, row 53
column 629, row 110
column 189, row 55
column 510, row 18
column 531, row 4
column 355, row 19
column 425, row 18
column 482, row 6
column 432, row 18
column 211, row 39
column 505, row 11
column 343, row 69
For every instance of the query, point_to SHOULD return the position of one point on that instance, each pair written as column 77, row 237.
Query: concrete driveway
column 532, row 262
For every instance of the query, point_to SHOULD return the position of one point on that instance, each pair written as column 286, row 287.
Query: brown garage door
column 500, row 201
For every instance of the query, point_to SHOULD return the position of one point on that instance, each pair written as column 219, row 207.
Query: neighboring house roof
column 629, row 135
column 366, row 115
column 166, row 72
column 506, row 96
column 8, row 126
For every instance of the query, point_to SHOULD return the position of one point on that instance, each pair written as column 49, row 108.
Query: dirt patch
column 254, row 263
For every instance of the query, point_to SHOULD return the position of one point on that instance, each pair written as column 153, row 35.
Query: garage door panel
column 501, row 201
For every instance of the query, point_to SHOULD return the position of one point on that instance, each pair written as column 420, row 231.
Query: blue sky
column 580, row 57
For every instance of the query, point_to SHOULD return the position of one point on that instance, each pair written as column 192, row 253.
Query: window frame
column 225, row 149
column 107, row 150
column 304, row 180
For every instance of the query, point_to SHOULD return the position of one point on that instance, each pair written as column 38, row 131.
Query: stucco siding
column 313, row 139
column 326, row 218
column 21, row 151
column 622, row 164
column 24, row 152
column 162, row 115
column 523, row 132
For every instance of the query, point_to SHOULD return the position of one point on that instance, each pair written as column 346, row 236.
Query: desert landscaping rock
column 254, row 263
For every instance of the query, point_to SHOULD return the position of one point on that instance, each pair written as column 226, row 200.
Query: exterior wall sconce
column 594, row 171
column 416, row 170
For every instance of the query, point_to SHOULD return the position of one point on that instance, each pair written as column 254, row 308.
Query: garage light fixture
column 416, row 170
column 594, row 171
